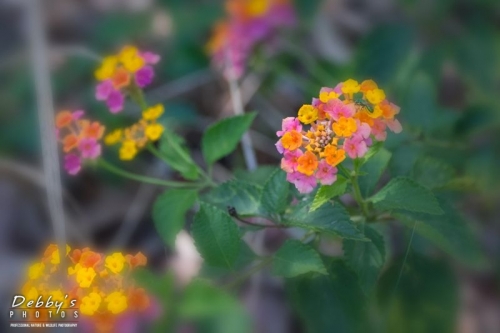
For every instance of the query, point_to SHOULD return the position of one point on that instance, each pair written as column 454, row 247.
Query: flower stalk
column 145, row 179
column 357, row 192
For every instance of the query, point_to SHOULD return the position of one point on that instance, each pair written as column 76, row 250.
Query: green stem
column 138, row 96
column 307, row 235
column 160, row 155
column 240, row 279
column 152, row 149
column 357, row 191
column 344, row 171
column 145, row 179
column 259, row 225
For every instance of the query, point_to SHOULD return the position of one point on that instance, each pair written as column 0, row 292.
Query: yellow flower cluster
column 99, row 285
column 129, row 57
column 135, row 137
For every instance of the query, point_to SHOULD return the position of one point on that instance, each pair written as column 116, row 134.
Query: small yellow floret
column 153, row 113
column 128, row 150
column 107, row 68
column 85, row 276
column 117, row 302
column 115, row 262
column 90, row 304
column 307, row 114
column 154, row 131
column 350, row 87
column 36, row 271
column 113, row 137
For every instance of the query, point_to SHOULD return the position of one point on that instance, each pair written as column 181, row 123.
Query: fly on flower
column 122, row 74
column 343, row 121
column 80, row 139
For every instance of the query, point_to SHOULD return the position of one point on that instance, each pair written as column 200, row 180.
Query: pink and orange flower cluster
column 249, row 23
column 344, row 120
column 123, row 74
column 79, row 138
column 100, row 285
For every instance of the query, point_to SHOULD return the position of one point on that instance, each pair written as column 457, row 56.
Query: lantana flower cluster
column 124, row 74
column 137, row 136
column 79, row 137
column 343, row 121
column 249, row 23
column 101, row 285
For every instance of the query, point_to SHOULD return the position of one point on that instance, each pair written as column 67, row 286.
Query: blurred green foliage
column 439, row 60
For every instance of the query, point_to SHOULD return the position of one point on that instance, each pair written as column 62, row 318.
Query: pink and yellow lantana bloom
column 343, row 122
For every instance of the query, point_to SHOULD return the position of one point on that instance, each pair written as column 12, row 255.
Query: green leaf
column 403, row 159
column 169, row 212
column 177, row 155
column 295, row 258
column 332, row 219
column 162, row 286
column 328, row 303
column 374, row 149
column 372, row 171
column 222, row 138
column 366, row 258
column 245, row 258
column 424, row 300
column 243, row 196
column 274, row 196
column 306, row 9
column 213, row 309
column 476, row 54
column 119, row 26
column 420, row 102
column 432, row 172
column 382, row 52
column 449, row 232
column 328, row 192
column 406, row 194
column 257, row 177
column 216, row 236
column 201, row 299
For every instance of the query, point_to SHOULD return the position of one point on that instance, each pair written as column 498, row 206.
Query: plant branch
column 344, row 171
column 145, row 179
column 45, row 109
column 246, row 141
column 159, row 154
column 357, row 192
column 232, row 212
column 240, row 279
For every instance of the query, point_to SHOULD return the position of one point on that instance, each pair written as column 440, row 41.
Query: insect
column 362, row 104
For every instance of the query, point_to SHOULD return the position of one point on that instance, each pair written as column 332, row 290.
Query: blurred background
column 438, row 60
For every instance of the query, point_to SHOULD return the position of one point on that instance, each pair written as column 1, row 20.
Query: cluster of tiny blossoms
column 98, row 286
column 79, row 138
column 249, row 23
column 344, row 120
column 123, row 74
column 135, row 137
